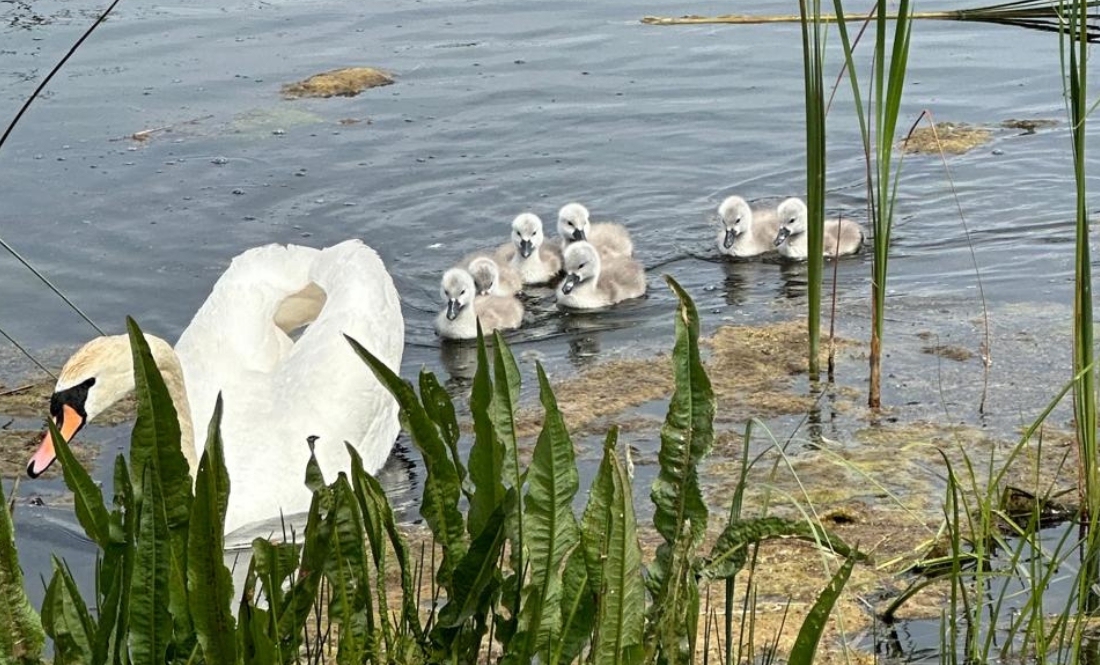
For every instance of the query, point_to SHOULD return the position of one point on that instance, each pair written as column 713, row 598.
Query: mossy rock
column 346, row 82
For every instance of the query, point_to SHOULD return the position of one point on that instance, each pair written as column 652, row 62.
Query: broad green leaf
column 506, row 389
column 550, row 531
column 440, row 408
column 156, row 434
column 150, row 622
column 66, row 619
column 487, row 452
column 477, row 573
column 680, row 514
column 90, row 509
column 381, row 529
column 346, row 569
column 21, row 632
column 578, row 609
column 614, row 562
column 124, row 532
column 442, row 487
column 805, row 645
column 207, row 577
column 155, row 441
column 730, row 551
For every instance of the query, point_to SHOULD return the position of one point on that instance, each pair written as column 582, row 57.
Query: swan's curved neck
column 172, row 372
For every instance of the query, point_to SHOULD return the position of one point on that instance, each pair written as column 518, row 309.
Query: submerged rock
column 346, row 82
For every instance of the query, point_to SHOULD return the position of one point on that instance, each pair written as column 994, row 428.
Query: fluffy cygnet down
column 746, row 232
column 842, row 236
column 591, row 282
column 611, row 240
column 464, row 308
column 536, row 260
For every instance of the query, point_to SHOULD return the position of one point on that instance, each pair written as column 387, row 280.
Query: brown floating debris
column 952, row 138
column 347, row 82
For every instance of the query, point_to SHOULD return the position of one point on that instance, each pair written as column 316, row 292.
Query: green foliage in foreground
column 518, row 577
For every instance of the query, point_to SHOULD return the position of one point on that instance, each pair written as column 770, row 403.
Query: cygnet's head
column 736, row 217
column 527, row 234
column 573, row 222
column 485, row 273
column 792, row 219
column 582, row 264
column 458, row 289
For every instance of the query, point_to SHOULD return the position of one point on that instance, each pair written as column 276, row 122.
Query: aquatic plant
column 813, row 61
column 519, row 576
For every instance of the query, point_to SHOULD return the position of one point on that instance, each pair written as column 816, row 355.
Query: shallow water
column 501, row 107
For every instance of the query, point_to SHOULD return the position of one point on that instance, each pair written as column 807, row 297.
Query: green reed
column 1074, row 62
column 878, row 128
column 813, row 60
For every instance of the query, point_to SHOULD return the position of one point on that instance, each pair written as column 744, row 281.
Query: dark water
column 502, row 107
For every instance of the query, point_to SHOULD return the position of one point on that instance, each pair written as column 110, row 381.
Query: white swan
column 277, row 392
column 459, row 318
column 746, row 232
column 537, row 261
column 842, row 236
column 611, row 240
column 591, row 283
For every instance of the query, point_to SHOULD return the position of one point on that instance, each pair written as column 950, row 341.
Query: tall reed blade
column 813, row 55
column 889, row 81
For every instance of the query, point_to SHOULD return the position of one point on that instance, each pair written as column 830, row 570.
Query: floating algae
column 952, row 138
column 346, row 82
column 751, row 369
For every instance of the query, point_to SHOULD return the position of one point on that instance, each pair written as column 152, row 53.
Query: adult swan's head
column 98, row 375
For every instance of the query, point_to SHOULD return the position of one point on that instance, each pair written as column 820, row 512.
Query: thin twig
column 16, row 391
column 28, row 354
column 144, row 134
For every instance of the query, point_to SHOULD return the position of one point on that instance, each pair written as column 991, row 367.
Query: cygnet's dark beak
column 784, row 233
column 453, row 307
column 570, row 282
column 731, row 235
column 578, row 234
column 526, row 248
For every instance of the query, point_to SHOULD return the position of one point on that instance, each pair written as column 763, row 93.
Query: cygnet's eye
column 462, row 292
column 535, row 233
column 581, row 266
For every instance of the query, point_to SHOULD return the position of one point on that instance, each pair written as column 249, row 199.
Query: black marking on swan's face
column 75, row 397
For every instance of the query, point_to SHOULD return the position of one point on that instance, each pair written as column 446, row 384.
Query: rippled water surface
column 501, row 107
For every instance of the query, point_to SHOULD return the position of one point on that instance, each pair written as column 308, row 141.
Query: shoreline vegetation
column 803, row 496
column 736, row 557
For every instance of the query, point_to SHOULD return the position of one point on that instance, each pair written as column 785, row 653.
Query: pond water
column 500, row 107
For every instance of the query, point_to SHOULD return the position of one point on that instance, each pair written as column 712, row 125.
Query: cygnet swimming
column 536, row 261
column 486, row 274
column 591, row 282
column 507, row 280
column 458, row 320
column 746, row 232
column 842, row 236
column 611, row 240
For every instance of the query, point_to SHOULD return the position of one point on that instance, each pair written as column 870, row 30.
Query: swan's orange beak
column 71, row 422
